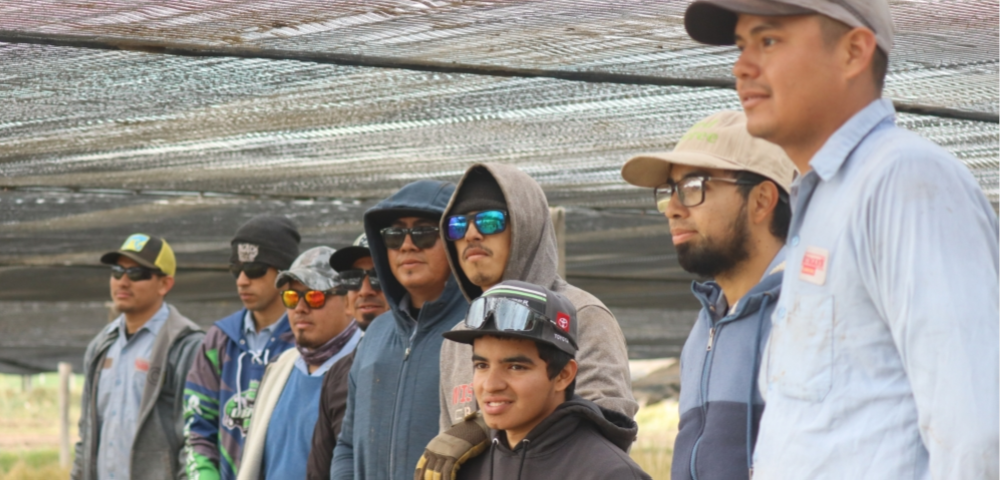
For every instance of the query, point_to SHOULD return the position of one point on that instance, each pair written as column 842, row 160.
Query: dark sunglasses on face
column 313, row 298
column 352, row 279
column 488, row 222
column 252, row 269
column 135, row 274
column 422, row 237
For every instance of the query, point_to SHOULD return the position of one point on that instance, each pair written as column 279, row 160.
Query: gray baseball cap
column 714, row 21
column 312, row 268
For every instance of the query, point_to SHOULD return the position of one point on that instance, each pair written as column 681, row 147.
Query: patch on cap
column 361, row 241
column 135, row 242
column 562, row 320
column 247, row 252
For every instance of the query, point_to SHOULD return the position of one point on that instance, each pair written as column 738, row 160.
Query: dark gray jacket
column 160, row 433
column 579, row 441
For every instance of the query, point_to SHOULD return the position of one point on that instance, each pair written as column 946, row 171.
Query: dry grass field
column 29, row 430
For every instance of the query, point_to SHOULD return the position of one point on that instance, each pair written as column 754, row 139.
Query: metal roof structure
column 183, row 119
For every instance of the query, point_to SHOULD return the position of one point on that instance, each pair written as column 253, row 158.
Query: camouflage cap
column 312, row 269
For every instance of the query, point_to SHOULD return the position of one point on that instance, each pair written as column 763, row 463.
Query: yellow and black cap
column 146, row 250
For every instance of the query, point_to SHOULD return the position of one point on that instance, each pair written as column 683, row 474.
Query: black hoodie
column 578, row 441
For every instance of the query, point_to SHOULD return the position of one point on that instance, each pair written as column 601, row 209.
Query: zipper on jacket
column 711, row 337
column 399, row 390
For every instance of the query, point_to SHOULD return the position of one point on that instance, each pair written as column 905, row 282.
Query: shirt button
column 242, row 342
column 795, row 241
column 781, row 313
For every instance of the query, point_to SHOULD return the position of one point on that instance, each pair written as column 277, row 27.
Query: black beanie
column 479, row 191
column 269, row 239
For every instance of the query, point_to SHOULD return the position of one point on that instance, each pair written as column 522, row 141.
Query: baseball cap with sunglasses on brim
column 521, row 310
column 720, row 141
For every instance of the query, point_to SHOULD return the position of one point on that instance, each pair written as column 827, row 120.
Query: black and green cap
column 146, row 250
column 557, row 325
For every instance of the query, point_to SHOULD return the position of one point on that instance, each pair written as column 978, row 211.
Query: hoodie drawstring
column 493, row 447
column 753, row 383
column 241, row 403
column 524, row 452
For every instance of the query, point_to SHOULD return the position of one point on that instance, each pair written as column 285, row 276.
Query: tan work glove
column 450, row 449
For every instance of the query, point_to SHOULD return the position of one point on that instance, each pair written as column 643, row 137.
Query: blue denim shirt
column 119, row 394
column 882, row 359
column 257, row 341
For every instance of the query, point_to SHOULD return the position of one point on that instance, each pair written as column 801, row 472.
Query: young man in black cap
column 130, row 422
column 365, row 301
column 523, row 341
column 223, row 381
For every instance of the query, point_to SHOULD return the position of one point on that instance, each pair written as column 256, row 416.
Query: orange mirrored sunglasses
column 313, row 298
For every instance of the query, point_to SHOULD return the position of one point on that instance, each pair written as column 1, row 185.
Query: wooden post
column 558, row 215
column 65, row 374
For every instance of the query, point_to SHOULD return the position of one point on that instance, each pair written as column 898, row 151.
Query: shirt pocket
column 800, row 360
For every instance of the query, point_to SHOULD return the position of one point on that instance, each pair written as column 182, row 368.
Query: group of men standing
column 851, row 289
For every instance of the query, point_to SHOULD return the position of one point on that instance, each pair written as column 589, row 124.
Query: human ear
column 566, row 376
column 166, row 283
column 858, row 47
column 762, row 202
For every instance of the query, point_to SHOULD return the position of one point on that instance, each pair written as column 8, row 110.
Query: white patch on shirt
column 814, row 264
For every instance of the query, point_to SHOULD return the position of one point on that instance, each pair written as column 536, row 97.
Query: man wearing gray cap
column 725, row 195
column 287, row 405
column 882, row 359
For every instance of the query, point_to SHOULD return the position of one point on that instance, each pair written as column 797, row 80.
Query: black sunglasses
column 422, row 237
column 136, row 274
column 252, row 269
column 352, row 279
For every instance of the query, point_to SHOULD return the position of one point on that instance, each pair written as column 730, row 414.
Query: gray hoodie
column 578, row 441
column 603, row 357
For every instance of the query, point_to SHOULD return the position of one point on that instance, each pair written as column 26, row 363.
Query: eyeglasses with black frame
column 423, row 237
column 690, row 190
column 313, row 298
column 352, row 279
column 253, row 270
column 136, row 274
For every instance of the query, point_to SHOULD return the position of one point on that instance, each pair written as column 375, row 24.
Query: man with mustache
column 222, row 385
column 882, row 360
column 725, row 195
column 365, row 301
column 498, row 228
column 392, row 401
column 131, row 425
column 287, row 405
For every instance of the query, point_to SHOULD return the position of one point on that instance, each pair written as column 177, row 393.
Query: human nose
column 408, row 245
column 745, row 67
column 472, row 234
column 242, row 280
column 366, row 289
column 494, row 381
column 675, row 208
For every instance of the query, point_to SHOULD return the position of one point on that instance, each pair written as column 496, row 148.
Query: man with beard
column 130, row 421
column 365, row 301
column 222, row 385
column 288, row 399
column 725, row 195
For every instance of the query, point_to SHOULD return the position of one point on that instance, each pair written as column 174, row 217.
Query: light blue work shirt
column 882, row 359
column 119, row 394
column 257, row 341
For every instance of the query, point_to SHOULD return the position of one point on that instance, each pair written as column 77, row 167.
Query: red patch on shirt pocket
column 141, row 365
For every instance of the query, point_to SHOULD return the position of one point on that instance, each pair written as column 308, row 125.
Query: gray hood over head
column 534, row 255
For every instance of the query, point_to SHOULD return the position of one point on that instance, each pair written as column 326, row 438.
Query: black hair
column 555, row 361
column 782, row 217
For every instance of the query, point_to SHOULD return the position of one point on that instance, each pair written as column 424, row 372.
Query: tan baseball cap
column 719, row 141
column 714, row 21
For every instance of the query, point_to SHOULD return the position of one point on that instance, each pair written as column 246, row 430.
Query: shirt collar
column 249, row 326
column 839, row 146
